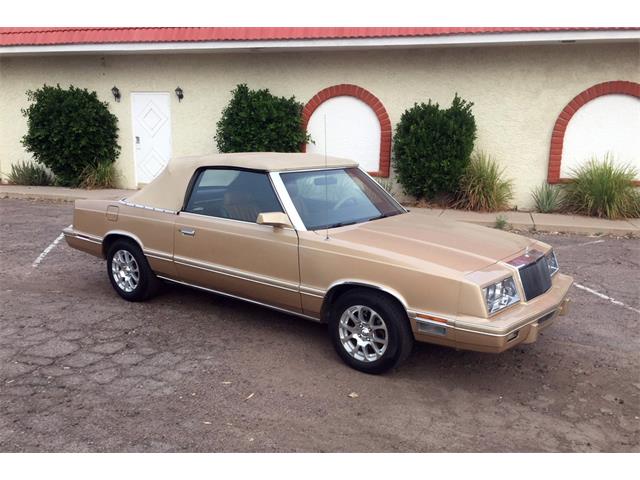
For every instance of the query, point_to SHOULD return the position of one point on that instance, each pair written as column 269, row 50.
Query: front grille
column 535, row 278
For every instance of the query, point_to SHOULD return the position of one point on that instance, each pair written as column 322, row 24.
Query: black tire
column 147, row 284
column 398, row 330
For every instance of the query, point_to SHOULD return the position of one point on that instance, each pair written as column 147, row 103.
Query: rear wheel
column 129, row 271
column 370, row 331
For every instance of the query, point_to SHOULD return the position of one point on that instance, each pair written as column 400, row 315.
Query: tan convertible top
column 167, row 190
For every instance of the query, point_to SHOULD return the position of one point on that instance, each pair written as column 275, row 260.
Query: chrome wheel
column 125, row 271
column 363, row 333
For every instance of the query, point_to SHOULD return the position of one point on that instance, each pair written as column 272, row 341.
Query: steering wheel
column 344, row 201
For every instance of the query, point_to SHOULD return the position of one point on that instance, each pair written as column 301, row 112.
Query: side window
column 235, row 194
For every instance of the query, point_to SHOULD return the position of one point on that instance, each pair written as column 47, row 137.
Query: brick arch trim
column 560, row 127
column 373, row 102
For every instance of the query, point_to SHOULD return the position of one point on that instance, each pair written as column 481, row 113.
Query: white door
column 151, row 134
column 353, row 131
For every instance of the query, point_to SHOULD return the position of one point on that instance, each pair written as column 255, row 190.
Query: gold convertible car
column 317, row 237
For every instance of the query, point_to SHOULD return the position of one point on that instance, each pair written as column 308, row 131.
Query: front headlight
column 500, row 295
column 552, row 262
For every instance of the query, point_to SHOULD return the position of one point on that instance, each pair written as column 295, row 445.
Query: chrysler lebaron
column 317, row 237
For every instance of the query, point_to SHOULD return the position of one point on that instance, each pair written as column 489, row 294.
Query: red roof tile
column 71, row 35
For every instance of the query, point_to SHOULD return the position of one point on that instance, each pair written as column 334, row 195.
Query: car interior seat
column 240, row 205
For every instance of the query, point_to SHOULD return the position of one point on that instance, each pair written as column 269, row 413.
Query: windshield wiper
column 384, row 215
column 353, row 222
column 339, row 224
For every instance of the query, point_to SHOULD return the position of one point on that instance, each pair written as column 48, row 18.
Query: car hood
column 413, row 238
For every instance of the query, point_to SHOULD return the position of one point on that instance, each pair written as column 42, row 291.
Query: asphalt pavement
column 83, row 370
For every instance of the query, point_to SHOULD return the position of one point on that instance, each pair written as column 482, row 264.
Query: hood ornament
column 529, row 256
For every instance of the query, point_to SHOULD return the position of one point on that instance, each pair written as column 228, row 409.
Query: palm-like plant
column 483, row 187
column 547, row 198
column 603, row 189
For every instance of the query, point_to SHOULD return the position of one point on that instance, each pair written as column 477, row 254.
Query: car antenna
column 326, row 187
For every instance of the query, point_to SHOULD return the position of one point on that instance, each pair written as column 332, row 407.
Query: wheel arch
column 337, row 289
column 114, row 235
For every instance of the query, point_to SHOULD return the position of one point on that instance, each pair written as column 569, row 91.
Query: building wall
column 518, row 91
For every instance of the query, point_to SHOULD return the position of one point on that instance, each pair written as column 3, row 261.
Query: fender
column 121, row 233
column 361, row 283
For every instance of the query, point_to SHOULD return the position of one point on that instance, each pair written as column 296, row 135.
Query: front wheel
column 129, row 271
column 370, row 331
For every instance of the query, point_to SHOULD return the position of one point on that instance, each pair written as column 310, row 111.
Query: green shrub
column 501, row 222
column 257, row 121
column 547, row 198
column 29, row 173
column 432, row 147
column 482, row 186
column 603, row 189
column 69, row 130
column 100, row 175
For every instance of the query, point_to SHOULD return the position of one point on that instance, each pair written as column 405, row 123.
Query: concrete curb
column 60, row 194
column 541, row 222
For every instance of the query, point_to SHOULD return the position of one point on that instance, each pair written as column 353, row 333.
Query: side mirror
column 275, row 219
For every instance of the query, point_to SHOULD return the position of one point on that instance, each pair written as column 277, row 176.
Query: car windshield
column 337, row 197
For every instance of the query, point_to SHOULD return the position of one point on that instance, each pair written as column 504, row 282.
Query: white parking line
column 46, row 251
column 605, row 297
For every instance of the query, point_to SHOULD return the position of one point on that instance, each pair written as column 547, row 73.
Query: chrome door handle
column 188, row 231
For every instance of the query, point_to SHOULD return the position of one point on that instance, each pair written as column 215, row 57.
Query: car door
column 218, row 244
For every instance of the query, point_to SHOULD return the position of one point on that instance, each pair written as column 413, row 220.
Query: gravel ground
column 83, row 370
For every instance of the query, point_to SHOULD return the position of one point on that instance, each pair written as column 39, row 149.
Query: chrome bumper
column 518, row 325
column 84, row 242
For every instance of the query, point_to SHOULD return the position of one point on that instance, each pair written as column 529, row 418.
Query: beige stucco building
column 521, row 84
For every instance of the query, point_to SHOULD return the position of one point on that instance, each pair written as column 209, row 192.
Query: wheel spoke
column 379, row 339
column 379, row 343
column 371, row 356
column 380, row 328
column 349, row 339
column 349, row 328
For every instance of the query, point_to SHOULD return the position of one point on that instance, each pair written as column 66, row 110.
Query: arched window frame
column 557, row 137
column 384, row 164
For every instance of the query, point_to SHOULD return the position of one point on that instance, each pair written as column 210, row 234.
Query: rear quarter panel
column 151, row 229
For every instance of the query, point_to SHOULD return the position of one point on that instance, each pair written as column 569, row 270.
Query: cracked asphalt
column 83, row 370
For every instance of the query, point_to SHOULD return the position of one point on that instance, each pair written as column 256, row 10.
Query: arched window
column 603, row 118
column 358, row 127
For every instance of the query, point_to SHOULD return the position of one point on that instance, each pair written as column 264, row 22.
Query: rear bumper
column 517, row 325
column 83, row 241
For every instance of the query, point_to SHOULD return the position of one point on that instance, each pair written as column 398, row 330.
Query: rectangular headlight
column 552, row 262
column 501, row 295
